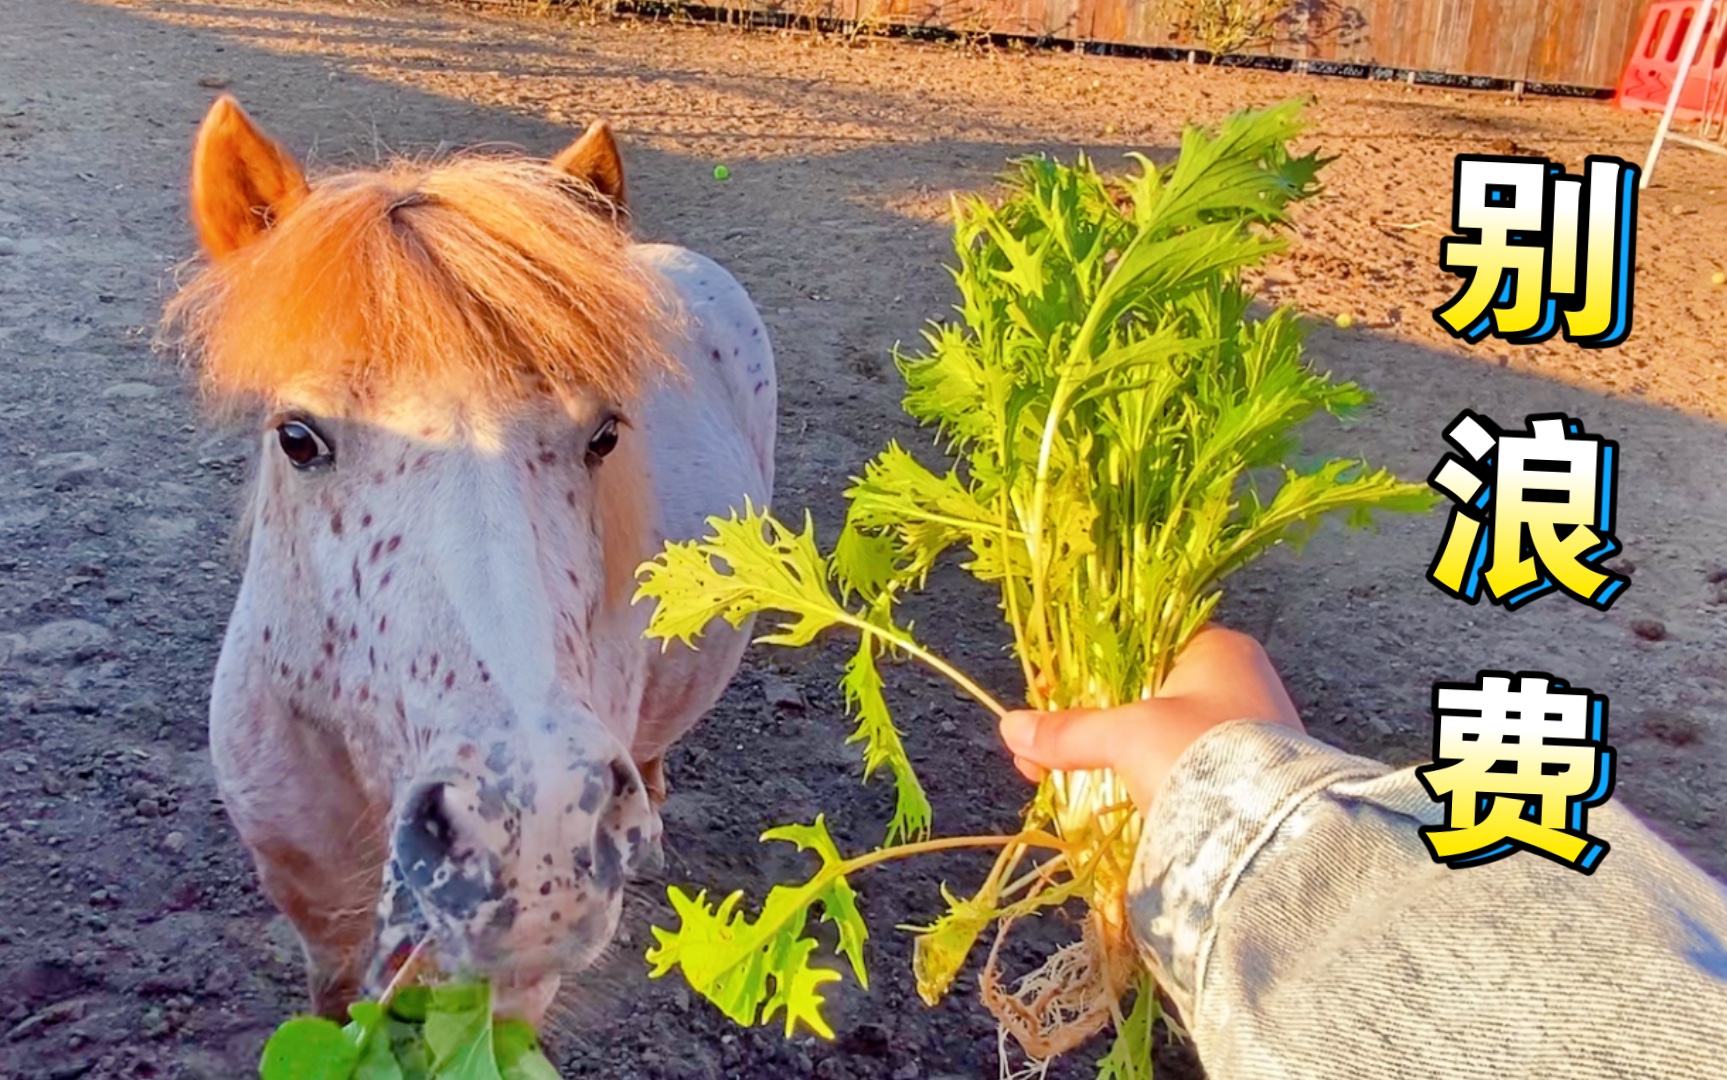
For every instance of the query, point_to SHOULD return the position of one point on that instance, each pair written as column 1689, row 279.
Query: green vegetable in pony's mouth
column 423, row 1033
column 1120, row 422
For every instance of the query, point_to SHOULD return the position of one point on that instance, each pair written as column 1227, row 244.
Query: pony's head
column 448, row 511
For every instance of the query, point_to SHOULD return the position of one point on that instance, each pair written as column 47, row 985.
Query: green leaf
column 863, row 564
column 752, row 563
column 749, row 564
column 1129, row 1057
column 926, row 514
column 446, row 1032
column 517, row 1050
column 368, row 1030
column 410, row 1003
column 459, row 1032
column 308, row 1048
column 939, row 951
column 754, row 970
column 882, row 746
column 408, row 1046
column 838, row 901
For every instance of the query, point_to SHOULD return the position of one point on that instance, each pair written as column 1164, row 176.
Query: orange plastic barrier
column 1648, row 76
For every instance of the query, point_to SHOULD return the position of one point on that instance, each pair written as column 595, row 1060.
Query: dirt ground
column 133, row 942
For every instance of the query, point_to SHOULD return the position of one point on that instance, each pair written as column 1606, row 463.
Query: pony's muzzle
column 519, row 871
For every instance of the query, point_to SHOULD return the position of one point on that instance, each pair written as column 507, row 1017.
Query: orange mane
column 484, row 278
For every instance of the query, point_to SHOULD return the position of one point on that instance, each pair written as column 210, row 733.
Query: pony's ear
column 594, row 158
column 242, row 180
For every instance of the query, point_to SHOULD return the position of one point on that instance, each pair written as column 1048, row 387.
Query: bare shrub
column 1222, row 27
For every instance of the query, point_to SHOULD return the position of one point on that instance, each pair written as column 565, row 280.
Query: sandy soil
column 133, row 942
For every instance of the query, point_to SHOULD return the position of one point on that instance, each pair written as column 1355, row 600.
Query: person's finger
column 1029, row 769
column 1073, row 739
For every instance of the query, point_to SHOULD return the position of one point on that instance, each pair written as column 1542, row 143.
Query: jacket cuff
column 1227, row 795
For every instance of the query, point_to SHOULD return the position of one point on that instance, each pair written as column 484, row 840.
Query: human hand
column 1221, row 676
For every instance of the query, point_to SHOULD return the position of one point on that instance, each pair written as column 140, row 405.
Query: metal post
column 1712, row 89
column 1693, row 36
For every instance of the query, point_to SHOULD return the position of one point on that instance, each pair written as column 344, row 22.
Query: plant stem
column 911, row 648
column 1034, row 530
column 1037, row 839
column 1016, row 619
column 408, row 973
column 1041, row 871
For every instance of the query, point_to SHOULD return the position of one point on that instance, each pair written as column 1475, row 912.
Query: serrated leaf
column 862, row 686
column 750, row 563
column 757, row 969
column 940, row 950
column 838, row 901
column 1129, row 1056
column 863, row 564
column 926, row 514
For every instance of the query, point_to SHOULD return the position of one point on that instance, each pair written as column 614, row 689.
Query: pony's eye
column 302, row 446
column 604, row 441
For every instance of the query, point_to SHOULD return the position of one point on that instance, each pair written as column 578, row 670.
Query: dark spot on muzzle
column 608, row 863
column 592, row 792
column 494, row 797
column 505, row 916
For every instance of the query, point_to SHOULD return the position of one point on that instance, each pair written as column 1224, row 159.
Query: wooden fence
column 1581, row 43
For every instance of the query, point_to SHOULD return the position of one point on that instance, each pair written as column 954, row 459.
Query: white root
column 1066, row 1001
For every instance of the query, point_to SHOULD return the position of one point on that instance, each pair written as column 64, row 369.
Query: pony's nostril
column 451, row 855
column 626, row 780
column 426, row 835
column 628, row 841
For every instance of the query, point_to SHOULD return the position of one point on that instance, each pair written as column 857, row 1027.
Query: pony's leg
column 654, row 779
column 316, row 839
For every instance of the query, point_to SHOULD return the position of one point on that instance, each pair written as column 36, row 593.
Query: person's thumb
column 1068, row 739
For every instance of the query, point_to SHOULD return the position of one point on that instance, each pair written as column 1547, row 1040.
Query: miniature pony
column 480, row 407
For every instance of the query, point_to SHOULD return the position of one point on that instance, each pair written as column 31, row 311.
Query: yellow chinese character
column 1500, row 207
column 1600, row 314
column 1532, row 511
column 1526, row 230
column 1517, row 769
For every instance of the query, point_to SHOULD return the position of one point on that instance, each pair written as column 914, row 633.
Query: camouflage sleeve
column 1290, row 910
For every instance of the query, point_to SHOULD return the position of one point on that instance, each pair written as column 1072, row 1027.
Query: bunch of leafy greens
column 420, row 1033
column 1120, row 423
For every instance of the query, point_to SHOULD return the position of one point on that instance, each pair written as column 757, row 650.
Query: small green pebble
column 721, row 172
column 1345, row 321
